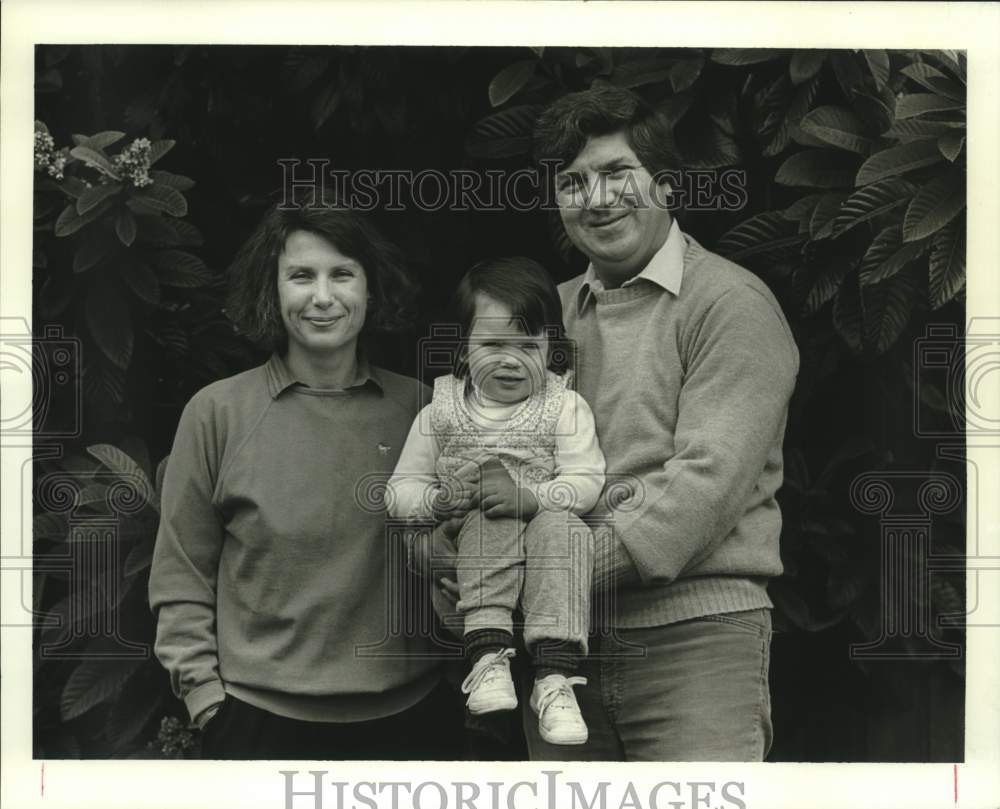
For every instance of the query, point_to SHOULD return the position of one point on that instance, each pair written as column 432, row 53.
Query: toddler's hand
column 455, row 499
column 501, row 496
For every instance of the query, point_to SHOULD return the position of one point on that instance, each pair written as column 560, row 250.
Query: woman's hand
column 500, row 495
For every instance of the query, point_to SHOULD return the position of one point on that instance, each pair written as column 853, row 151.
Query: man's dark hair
column 252, row 303
column 523, row 285
column 564, row 127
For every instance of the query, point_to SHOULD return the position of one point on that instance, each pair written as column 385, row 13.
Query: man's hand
column 501, row 496
column 432, row 553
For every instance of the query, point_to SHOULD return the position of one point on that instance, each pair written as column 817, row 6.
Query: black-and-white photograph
column 513, row 403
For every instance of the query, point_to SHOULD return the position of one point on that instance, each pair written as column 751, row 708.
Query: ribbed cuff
column 480, row 641
column 204, row 696
column 555, row 657
column 613, row 565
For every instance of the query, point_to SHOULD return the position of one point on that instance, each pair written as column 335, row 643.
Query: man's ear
column 664, row 191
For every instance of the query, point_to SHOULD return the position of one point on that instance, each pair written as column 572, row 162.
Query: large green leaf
column 930, row 78
column 935, row 205
column 91, row 253
column 95, row 681
column 839, row 127
column 878, row 63
column 49, row 527
column 714, row 149
column 871, row 201
column 847, row 316
column 784, row 121
column 110, row 323
column 103, row 382
column 802, row 209
column 95, row 159
column 676, row 106
column 100, row 141
column 157, row 230
column 119, row 463
column 805, row 64
column 158, row 149
column 325, row 104
column 504, row 134
column 93, row 494
column 162, row 198
column 824, row 279
column 745, row 56
column 947, row 264
column 951, row 144
column 887, row 308
column 125, row 227
column 920, row 72
column 910, row 106
column 922, row 129
column 847, row 67
column 140, row 278
column 640, row 72
column 93, row 196
column 877, row 109
column 70, row 221
column 139, row 558
column 887, row 255
column 685, row 73
column 140, row 701
column 73, row 187
column 508, row 81
column 824, row 214
column 176, row 181
column 177, row 268
column 818, row 168
column 767, row 233
column 898, row 160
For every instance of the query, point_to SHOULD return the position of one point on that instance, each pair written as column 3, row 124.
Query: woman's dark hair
column 252, row 303
column 523, row 285
column 564, row 127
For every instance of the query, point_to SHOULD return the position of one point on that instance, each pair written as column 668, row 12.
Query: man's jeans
column 695, row 690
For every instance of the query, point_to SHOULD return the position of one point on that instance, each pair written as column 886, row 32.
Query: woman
column 269, row 578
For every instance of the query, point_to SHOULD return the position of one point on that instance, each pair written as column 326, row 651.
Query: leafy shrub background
column 855, row 168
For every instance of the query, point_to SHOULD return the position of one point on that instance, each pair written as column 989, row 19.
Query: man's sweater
column 688, row 371
column 270, row 574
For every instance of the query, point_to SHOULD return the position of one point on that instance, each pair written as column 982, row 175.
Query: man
column 688, row 365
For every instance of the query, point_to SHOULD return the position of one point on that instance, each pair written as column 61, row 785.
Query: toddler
column 508, row 445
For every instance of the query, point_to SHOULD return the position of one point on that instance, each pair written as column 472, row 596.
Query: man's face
column 611, row 209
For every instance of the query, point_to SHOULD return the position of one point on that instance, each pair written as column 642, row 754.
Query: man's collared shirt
column 665, row 269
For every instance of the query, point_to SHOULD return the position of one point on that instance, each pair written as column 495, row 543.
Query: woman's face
column 505, row 364
column 322, row 294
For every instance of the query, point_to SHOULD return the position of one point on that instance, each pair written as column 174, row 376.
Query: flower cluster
column 174, row 738
column 47, row 158
column 133, row 162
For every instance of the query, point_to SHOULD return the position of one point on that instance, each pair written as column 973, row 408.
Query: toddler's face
column 505, row 364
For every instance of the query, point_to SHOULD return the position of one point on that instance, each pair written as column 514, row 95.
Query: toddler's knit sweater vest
column 524, row 443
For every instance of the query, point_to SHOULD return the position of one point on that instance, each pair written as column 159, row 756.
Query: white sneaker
column 489, row 685
column 559, row 719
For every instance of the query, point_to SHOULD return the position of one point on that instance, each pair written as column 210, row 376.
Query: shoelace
column 482, row 672
column 555, row 696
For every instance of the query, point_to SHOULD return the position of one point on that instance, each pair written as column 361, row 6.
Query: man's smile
column 597, row 222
